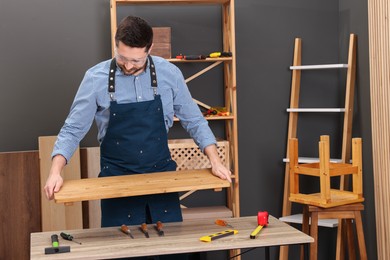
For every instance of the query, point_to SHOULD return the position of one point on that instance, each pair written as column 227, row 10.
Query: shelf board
column 316, row 67
column 138, row 184
column 311, row 160
column 172, row 2
column 321, row 110
column 212, row 118
column 297, row 219
column 204, row 60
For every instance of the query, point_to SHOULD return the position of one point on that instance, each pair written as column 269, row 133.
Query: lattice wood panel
column 189, row 157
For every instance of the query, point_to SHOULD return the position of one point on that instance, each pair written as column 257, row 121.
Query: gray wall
column 46, row 46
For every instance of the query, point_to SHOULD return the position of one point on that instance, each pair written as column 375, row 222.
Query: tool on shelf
column 190, row 57
column 159, row 228
column 69, row 237
column 144, row 229
column 218, row 235
column 220, row 54
column 125, row 229
column 217, row 111
column 221, row 222
column 55, row 246
column 262, row 221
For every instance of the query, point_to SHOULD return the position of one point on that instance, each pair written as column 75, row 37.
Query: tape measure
column 221, row 234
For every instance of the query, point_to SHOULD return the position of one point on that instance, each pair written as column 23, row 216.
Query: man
column 133, row 99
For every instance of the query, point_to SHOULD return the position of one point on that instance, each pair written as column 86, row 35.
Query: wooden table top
column 138, row 184
column 180, row 237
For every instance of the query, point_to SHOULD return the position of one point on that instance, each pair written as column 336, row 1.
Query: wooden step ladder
column 294, row 111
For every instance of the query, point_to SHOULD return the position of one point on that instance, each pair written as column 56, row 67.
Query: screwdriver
column 125, row 229
column 159, row 227
column 144, row 229
column 69, row 237
column 223, row 223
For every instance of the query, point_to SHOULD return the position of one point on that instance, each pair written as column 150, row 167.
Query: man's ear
column 150, row 49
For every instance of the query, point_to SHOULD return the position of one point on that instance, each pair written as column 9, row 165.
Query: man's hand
column 55, row 181
column 217, row 168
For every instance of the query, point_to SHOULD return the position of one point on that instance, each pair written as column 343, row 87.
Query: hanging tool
column 69, row 237
column 159, row 228
column 125, row 229
column 262, row 221
column 218, row 235
column 223, row 223
column 56, row 248
column 144, row 229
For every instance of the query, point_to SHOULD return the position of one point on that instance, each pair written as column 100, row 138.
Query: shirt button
column 140, row 97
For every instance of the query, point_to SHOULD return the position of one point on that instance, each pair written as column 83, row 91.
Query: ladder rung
column 311, row 160
column 315, row 109
column 297, row 218
column 317, row 67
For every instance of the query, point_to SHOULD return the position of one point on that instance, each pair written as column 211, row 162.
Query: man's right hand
column 55, row 181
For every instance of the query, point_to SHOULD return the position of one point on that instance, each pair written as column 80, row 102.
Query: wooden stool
column 325, row 170
column 345, row 213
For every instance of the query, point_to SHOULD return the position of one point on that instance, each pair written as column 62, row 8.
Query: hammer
column 262, row 221
column 56, row 249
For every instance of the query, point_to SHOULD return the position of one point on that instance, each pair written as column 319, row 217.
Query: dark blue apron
column 135, row 143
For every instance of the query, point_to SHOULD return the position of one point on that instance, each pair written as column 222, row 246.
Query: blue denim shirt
column 92, row 101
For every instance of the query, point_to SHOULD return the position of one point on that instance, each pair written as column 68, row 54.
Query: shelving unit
column 229, row 85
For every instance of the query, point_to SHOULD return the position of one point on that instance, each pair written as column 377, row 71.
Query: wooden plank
column 54, row 216
column 161, row 42
column 171, row 2
column 90, row 168
column 206, row 212
column 379, row 42
column 180, row 237
column 140, row 184
column 19, row 203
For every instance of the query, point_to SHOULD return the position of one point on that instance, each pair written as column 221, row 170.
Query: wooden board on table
column 139, row 184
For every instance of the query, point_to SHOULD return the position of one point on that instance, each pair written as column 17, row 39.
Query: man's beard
column 133, row 70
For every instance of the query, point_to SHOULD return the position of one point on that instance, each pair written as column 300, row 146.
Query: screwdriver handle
column 144, row 227
column 66, row 236
column 54, row 240
column 159, row 225
column 223, row 223
column 125, row 229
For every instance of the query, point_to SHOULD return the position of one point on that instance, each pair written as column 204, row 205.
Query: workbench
column 180, row 237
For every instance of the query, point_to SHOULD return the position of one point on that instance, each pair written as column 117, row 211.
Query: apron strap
column 153, row 76
column 111, row 77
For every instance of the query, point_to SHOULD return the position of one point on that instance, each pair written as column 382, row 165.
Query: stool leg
column 360, row 235
column 350, row 241
column 314, row 234
column 305, row 227
column 340, row 239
